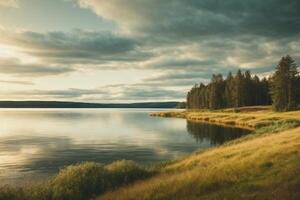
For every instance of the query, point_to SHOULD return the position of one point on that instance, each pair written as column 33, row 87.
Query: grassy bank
column 247, row 117
column 263, row 165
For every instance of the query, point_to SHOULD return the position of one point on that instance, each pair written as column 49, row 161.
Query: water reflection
column 216, row 135
column 37, row 143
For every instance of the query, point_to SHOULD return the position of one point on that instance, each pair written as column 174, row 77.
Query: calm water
column 36, row 143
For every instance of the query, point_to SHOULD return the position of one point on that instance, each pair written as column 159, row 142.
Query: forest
column 281, row 89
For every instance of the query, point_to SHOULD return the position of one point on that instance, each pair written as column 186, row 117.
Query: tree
column 283, row 85
column 243, row 89
column 239, row 91
column 216, row 97
column 248, row 90
column 265, row 97
column 298, row 89
column 229, row 88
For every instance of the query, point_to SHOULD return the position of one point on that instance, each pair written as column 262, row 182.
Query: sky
column 137, row 50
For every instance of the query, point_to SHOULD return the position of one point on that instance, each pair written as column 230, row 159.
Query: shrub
column 79, row 182
column 124, row 172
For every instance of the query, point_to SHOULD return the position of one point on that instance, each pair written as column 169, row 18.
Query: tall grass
column 79, row 182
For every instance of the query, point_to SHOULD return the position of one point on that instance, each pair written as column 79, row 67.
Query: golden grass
column 79, row 182
column 247, row 117
column 265, row 167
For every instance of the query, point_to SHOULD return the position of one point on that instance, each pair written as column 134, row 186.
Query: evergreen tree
column 229, row 89
column 239, row 92
column 248, row 89
column 202, row 96
column 298, row 89
column 265, row 98
column 284, row 88
column 292, row 98
column 216, row 92
column 243, row 89
column 257, row 91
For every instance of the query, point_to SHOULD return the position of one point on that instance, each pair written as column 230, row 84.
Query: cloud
column 170, row 35
column 173, row 62
column 174, row 43
column 111, row 93
column 15, row 82
column 213, row 37
column 193, row 18
column 146, row 94
column 75, row 47
column 9, row 3
column 209, row 36
column 176, row 79
column 71, row 93
column 63, row 52
column 16, row 67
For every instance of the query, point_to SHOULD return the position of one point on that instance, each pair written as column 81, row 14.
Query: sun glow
column 8, row 52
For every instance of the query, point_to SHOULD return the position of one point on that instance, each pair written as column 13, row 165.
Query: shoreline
column 250, row 118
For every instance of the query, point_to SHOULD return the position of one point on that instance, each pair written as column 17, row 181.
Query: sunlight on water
column 37, row 143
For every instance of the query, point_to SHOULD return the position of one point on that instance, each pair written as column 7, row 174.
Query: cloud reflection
column 46, row 140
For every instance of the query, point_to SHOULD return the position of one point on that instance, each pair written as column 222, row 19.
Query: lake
column 36, row 143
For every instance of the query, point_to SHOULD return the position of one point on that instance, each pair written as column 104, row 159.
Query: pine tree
column 216, row 97
column 248, row 90
column 284, row 85
column 265, row 98
column 257, row 91
column 229, row 87
column 202, row 96
column 292, row 97
column 298, row 90
column 238, row 91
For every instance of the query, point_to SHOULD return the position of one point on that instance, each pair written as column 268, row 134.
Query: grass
column 79, row 182
column 246, row 117
column 263, row 165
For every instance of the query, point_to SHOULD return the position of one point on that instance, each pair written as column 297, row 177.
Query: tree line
column 282, row 89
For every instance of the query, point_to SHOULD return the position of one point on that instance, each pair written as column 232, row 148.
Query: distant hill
column 62, row 104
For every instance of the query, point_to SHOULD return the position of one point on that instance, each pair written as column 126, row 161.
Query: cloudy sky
column 137, row 50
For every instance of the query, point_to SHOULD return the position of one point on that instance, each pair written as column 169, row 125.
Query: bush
column 79, row 182
column 124, row 172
